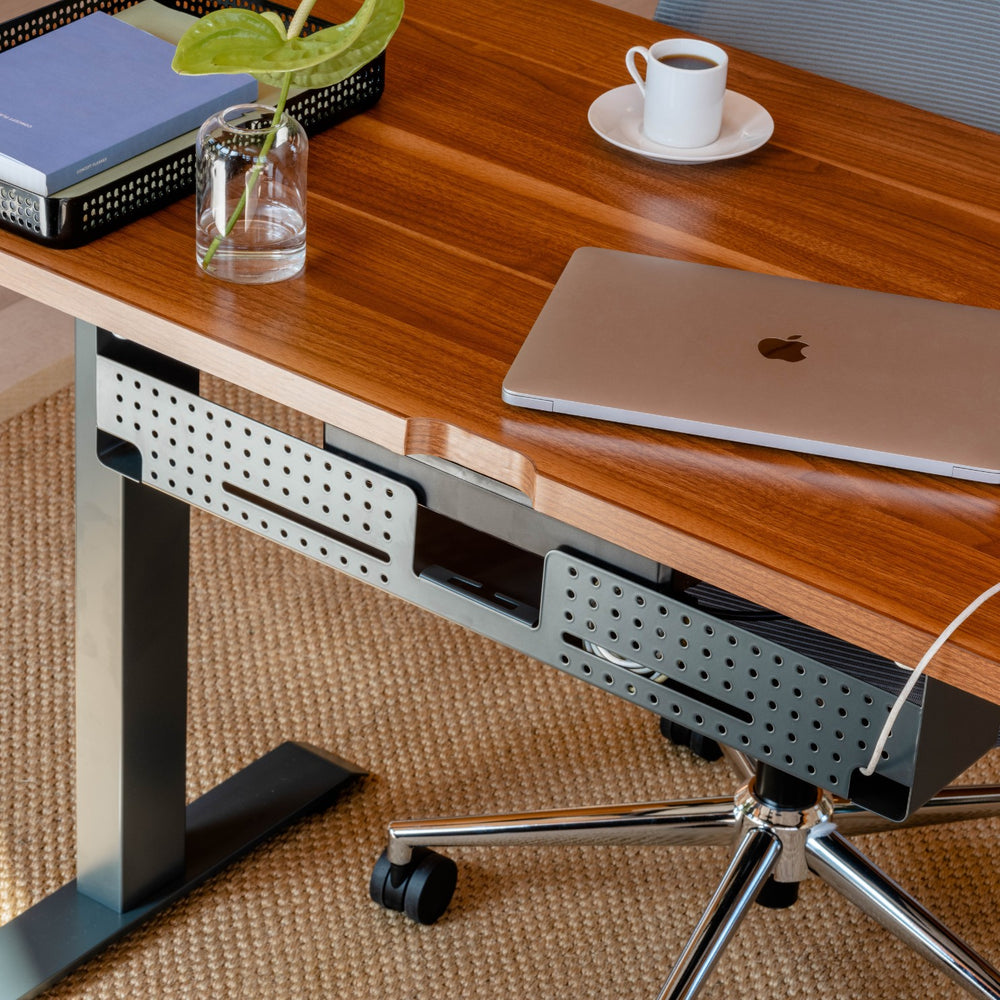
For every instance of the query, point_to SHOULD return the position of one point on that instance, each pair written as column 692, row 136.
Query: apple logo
column 783, row 350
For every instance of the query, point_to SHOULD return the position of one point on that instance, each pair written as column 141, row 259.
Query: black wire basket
column 108, row 200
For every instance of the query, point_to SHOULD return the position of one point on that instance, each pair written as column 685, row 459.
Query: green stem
column 258, row 168
column 302, row 12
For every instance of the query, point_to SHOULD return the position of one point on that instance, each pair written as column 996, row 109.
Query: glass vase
column 251, row 195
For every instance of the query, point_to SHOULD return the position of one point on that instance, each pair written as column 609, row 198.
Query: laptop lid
column 823, row 369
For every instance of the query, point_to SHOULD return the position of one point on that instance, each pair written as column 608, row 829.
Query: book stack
column 97, row 91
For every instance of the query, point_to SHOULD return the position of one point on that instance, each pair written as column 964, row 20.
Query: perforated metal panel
column 808, row 717
column 720, row 680
column 295, row 493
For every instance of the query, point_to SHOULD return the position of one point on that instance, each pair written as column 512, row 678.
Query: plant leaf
column 340, row 65
column 220, row 33
column 275, row 19
column 234, row 40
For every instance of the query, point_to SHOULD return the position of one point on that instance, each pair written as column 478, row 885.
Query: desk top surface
column 438, row 223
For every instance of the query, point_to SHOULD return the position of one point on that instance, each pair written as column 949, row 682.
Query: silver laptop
column 823, row 369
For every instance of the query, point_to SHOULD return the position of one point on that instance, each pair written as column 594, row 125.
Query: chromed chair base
column 784, row 843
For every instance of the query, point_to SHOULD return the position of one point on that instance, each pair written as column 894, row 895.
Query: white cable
column 921, row 666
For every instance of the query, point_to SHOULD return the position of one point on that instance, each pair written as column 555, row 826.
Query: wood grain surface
column 438, row 223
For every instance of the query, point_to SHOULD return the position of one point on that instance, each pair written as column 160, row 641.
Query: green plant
column 235, row 40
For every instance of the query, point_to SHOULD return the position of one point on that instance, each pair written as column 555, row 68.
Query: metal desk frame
column 148, row 447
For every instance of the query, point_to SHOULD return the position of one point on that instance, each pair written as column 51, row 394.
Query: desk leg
column 131, row 668
column 139, row 847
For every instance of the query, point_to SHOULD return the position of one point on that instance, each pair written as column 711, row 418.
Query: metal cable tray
column 813, row 719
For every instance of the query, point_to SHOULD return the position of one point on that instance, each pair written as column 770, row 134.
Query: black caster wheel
column 699, row 745
column 422, row 889
column 778, row 895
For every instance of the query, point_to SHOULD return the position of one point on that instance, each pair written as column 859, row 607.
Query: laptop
column 822, row 369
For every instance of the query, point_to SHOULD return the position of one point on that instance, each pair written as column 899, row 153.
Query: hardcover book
column 92, row 93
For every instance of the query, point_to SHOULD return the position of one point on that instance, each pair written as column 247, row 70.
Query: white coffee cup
column 683, row 90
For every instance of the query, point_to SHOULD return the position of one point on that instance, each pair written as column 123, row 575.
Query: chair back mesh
column 933, row 54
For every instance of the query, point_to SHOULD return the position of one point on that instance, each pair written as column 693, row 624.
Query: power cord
column 918, row 671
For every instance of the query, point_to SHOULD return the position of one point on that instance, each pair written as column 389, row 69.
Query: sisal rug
column 446, row 723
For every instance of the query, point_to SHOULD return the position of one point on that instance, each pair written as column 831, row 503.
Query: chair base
column 782, row 829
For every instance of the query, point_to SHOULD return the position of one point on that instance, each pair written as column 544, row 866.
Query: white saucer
column 617, row 117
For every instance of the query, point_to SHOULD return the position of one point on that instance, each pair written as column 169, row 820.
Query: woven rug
column 446, row 723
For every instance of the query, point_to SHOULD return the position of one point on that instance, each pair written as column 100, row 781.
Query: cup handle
column 637, row 50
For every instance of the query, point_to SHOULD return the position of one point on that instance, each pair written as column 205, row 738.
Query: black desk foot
column 46, row 942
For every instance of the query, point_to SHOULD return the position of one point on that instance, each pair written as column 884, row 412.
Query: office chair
column 796, row 713
column 937, row 56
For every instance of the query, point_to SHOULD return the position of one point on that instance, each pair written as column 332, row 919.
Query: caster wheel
column 422, row 889
column 699, row 745
column 777, row 895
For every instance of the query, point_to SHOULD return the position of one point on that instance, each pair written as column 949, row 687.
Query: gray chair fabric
column 939, row 55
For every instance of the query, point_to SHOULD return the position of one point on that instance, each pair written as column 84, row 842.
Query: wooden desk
column 439, row 223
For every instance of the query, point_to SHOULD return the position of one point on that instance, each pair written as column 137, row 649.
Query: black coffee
column 680, row 60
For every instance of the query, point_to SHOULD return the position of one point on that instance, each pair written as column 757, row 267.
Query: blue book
column 95, row 92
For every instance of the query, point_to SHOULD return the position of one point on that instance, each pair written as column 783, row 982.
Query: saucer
column 617, row 117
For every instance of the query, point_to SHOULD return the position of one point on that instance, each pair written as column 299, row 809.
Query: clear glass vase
column 251, row 195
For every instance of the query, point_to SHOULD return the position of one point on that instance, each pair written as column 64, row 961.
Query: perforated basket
column 81, row 213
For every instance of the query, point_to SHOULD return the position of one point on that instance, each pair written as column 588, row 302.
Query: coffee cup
column 683, row 90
